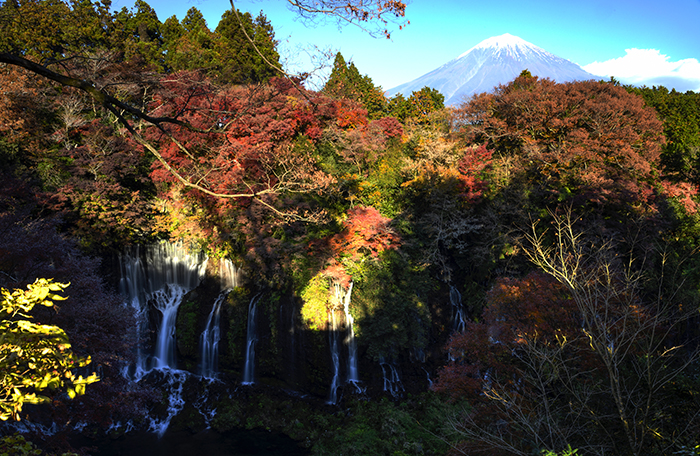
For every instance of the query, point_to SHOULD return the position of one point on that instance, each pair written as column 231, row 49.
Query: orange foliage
column 684, row 192
column 534, row 308
column 19, row 109
column 351, row 116
column 474, row 161
column 593, row 138
column 366, row 232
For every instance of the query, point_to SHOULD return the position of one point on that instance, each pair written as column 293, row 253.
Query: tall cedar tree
column 239, row 62
column 346, row 81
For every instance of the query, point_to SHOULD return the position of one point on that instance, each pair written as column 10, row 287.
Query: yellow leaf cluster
column 33, row 357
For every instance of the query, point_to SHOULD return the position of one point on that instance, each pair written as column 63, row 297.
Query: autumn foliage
column 366, row 232
column 148, row 131
column 533, row 310
column 240, row 143
column 573, row 348
column 592, row 139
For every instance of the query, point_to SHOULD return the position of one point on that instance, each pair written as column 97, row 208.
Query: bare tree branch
column 355, row 12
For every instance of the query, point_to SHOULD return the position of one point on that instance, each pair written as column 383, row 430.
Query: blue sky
column 639, row 41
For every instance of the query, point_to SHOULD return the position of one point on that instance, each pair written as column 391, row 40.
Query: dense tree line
column 585, row 344
column 345, row 81
column 55, row 32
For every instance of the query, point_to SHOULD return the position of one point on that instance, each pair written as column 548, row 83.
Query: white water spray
column 162, row 274
column 175, row 382
column 166, row 300
column 251, row 339
column 392, row 381
column 210, row 337
column 344, row 298
column 334, row 341
column 229, row 274
column 459, row 323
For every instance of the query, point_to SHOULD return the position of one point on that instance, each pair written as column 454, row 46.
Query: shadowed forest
column 516, row 275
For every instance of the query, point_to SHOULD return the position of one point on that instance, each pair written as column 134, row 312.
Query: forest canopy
column 536, row 246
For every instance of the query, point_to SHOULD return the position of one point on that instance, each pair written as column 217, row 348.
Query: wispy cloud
column 651, row 68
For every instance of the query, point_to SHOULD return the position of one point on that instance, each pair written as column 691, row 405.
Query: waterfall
column 334, row 340
column 251, row 338
column 228, row 274
column 343, row 298
column 353, row 375
column 430, row 382
column 392, row 381
column 210, row 337
column 133, row 285
column 162, row 274
column 158, row 277
column 459, row 323
column 166, row 300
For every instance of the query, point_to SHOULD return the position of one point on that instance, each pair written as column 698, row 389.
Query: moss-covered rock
column 188, row 329
column 233, row 327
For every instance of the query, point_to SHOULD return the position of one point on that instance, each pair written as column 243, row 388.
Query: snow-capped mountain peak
column 503, row 42
column 496, row 60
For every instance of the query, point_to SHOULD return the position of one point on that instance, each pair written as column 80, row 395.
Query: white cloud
column 650, row 67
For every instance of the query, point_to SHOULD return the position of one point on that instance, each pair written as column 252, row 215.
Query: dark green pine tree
column 339, row 83
column 190, row 45
column 399, row 107
column 34, row 28
column 346, row 81
column 193, row 20
column 143, row 42
column 88, row 27
column 264, row 38
column 680, row 113
column 172, row 31
column 239, row 61
column 425, row 102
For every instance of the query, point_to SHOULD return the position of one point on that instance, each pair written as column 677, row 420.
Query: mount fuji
column 494, row 61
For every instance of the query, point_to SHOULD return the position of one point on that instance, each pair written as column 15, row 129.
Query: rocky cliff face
column 289, row 355
column 266, row 366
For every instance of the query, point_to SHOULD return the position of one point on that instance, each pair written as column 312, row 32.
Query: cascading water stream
column 459, row 323
column 133, row 285
column 166, row 300
column 343, row 298
column 210, row 337
column 427, row 375
column 251, row 339
column 175, row 381
column 162, row 274
column 159, row 276
column 334, row 341
column 228, row 274
column 353, row 373
column 392, row 381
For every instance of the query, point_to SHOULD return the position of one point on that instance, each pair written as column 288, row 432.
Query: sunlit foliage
column 34, row 358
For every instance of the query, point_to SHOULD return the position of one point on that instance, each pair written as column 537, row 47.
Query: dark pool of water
column 205, row 443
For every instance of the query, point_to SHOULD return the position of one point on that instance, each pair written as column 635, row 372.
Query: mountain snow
column 505, row 43
column 496, row 60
